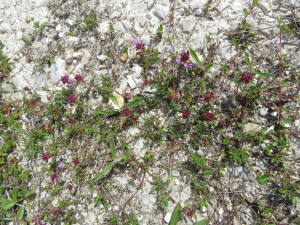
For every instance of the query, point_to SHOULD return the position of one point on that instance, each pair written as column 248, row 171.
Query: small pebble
column 168, row 217
column 124, row 57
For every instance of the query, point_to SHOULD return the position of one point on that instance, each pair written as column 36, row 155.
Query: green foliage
column 176, row 214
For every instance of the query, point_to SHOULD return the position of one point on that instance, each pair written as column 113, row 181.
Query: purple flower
column 209, row 95
column 178, row 61
column 76, row 161
column 79, row 78
column 72, row 98
column 185, row 56
column 65, row 79
column 185, row 113
column 209, row 116
column 190, row 213
column 185, row 65
column 246, row 77
column 71, row 120
column 61, row 165
column 57, row 211
column 244, row 139
column 127, row 112
column 46, row 156
column 135, row 42
column 68, row 85
column 170, row 97
column 140, row 46
column 70, row 187
column 191, row 64
column 54, row 177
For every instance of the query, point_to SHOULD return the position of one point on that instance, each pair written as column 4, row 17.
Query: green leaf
column 100, row 175
column 114, row 99
column 21, row 213
column 175, row 215
column 104, row 113
column 294, row 201
column 112, row 147
column 282, row 28
column 134, row 103
column 8, row 205
column 170, row 179
column 274, row 138
column 8, row 219
column 279, row 18
column 170, row 40
column 28, row 193
column 13, row 86
column 195, row 57
column 263, row 75
column 203, row 222
column 284, row 82
column 88, row 128
column 23, row 187
column 282, row 191
column 245, row 12
column 287, row 120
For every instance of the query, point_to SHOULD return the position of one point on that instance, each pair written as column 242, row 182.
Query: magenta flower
column 246, row 77
column 185, row 113
column 190, row 213
column 76, row 161
column 244, row 139
column 79, row 78
column 65, row 79
column 57, row 211
column 209, row 116
column 170, row 97
column 127, row 112
column 32, row 102
column 191, row 64
column 46, row 156
column 209, row 95
column 68, row 85
column 185, row 56
column 72, row 98
column 54, row 177
column 141, row 166
column 71, row 120
column 185, row 65
column 70, row 187
column 61, row 165
column 140, row 46
column 178, row 60
column 135, row 42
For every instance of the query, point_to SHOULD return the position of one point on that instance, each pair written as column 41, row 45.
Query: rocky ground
column 95, row 53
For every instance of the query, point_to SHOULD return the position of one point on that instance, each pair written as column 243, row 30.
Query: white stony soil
column 140, row 19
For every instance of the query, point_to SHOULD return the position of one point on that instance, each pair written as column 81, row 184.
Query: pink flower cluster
column 184, row 57
column 209, row 116
column 54, row 177
column 185, row 113
column 139, row 45
column 57, row 211
column 46, row 156
column 127, row 112
column 208, row 96
column 72, row 98
column 246, row 77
